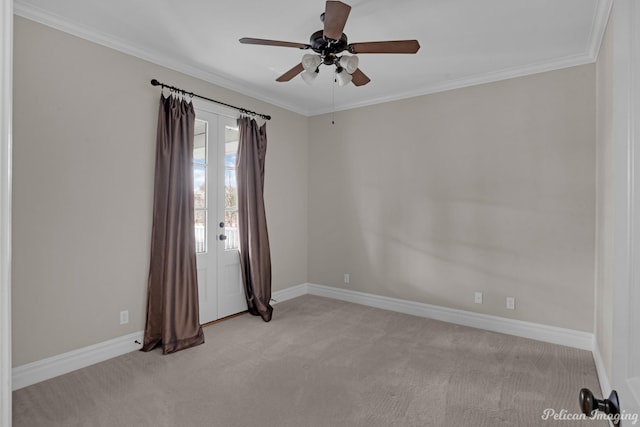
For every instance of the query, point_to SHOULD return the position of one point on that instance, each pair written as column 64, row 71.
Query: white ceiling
column 464, row 42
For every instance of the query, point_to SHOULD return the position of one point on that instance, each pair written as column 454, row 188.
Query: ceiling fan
column 329, row 43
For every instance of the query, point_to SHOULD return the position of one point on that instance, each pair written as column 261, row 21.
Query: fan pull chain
column 333, row 100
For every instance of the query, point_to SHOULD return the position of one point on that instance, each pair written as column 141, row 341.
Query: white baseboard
column 50, row 367
column 290, row 293
column 536, row 331
column 41, row 370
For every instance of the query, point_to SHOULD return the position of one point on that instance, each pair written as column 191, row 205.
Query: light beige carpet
column 322, row 362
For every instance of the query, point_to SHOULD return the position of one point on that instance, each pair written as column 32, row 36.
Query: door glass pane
column 231, row 189
column 199, row 187
column 200, row 184
column 200, row 142
column 201, row 230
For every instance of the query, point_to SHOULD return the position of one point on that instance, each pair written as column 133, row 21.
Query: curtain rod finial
column 154, row 82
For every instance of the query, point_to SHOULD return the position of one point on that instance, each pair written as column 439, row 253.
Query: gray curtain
column 255, row 255
column 173, row 319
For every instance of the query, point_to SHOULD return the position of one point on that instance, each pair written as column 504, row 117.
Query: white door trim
column 625, row 369
column 231, row 295
column 206, row 263
column 6, row 100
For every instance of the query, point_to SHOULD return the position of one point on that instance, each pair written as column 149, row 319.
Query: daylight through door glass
column 230, row 188
column 200, row 184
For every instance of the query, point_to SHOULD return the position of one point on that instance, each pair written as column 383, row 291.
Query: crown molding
column 474, row 80
column 60, row 23
column 598, row 27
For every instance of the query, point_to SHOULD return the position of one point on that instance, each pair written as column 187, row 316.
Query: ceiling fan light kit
column 311, row 62
column 329, row 43
column 345, row 66
column 342, row 77
column 309, row 76
column 349, row 63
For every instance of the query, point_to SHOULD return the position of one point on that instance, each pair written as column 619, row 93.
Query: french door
column 220, row 285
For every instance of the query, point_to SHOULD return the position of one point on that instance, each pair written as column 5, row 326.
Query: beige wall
column 84, row 135
column 488, row 188
column 605, row 200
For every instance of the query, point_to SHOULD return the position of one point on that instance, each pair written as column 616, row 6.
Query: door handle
column 590, row 404
column 222, row 237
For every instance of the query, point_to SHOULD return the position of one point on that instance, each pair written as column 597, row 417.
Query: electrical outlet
column 347, row 278
column 511, row 303
column 124, row 317
column 478, row 297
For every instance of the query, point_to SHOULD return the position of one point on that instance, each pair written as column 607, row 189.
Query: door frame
column 6, row 114
column 205, row 262
column 231, row 295
column 625, row 369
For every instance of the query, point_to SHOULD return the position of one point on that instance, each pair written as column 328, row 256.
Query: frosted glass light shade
column 349, row 63
column 343, row 77
column 311, row 62
column 309, row 76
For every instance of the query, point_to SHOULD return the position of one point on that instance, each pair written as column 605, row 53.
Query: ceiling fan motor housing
column 327, row 47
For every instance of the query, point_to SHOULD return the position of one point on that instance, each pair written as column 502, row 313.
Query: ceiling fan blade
column 359, row 78
column 264, row 42
column 335, row 18
column 397, row 46
column 291, row 73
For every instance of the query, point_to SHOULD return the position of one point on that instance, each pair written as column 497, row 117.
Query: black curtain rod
column 155, row 82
